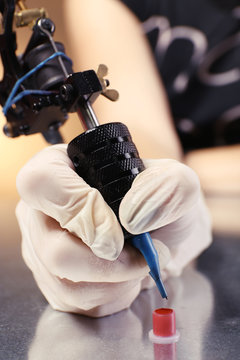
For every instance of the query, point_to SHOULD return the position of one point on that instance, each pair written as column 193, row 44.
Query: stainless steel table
column 205, row 298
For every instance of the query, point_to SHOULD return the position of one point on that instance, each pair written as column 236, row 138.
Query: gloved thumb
column 160, row 195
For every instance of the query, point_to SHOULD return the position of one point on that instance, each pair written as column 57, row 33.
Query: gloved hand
column 73, row 242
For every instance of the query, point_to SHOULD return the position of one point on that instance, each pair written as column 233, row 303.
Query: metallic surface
column 43, row 23
column 205, row 299
column 87, row 115
column 28, row 16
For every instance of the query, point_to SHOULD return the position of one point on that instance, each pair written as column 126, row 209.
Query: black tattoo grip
column 107, row 159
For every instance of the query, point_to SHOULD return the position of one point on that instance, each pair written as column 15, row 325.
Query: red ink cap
column 164, row 322
column 164, row 326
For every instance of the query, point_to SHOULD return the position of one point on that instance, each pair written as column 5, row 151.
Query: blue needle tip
column 144, row 244
column 159, row 283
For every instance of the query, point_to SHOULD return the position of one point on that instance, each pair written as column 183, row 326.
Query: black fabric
column 199, row 65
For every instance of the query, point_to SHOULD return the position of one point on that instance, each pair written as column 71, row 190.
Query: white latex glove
column 71, row 236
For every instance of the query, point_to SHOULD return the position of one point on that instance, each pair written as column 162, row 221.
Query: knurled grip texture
column 107, row 159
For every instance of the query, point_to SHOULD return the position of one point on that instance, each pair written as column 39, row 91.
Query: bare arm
column 219, row 173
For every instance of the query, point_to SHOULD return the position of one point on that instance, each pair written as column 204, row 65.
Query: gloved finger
column 70, row 276
column 91, row 299
column 176, row 232
column 88, row 298
column 67, row 257
column 48, row 183
column 160, row 195
column 186, row 238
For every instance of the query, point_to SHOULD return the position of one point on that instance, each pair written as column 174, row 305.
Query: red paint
column 164, row 322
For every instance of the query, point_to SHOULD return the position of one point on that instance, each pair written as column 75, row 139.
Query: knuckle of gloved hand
column 188, row 184
column 159, row 196
column 39, row 171
column 45, row 178
column 34, row 185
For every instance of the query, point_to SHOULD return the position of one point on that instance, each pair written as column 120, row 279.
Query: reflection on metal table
column 205, row 299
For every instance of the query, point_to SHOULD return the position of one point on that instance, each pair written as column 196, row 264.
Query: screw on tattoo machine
column 39, row 89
